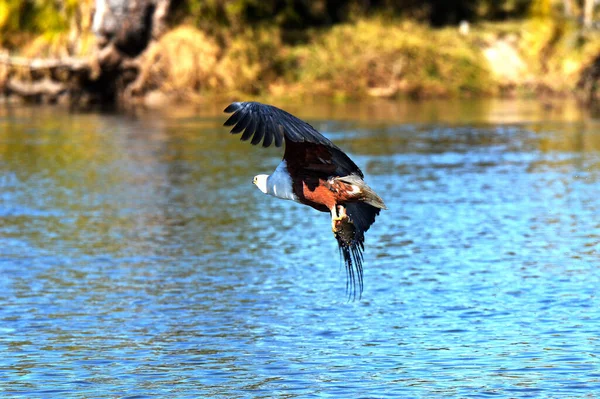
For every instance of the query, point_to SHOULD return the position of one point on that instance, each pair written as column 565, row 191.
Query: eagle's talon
column 337, row 221
column 334, row 222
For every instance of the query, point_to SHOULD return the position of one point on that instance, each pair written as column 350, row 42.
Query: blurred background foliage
column 343, row 48
column 46, row 27
column 19, row 19
column 302, row 14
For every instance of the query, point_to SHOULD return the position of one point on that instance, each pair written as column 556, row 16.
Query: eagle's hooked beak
column 254, row 180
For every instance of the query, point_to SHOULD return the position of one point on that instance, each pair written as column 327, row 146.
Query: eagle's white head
column 261, row 182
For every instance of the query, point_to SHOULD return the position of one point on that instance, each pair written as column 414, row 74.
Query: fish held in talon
column 313, row 172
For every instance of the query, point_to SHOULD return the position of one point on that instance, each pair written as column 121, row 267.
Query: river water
column 137, row 260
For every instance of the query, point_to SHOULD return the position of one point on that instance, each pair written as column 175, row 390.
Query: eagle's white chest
column 279, row 184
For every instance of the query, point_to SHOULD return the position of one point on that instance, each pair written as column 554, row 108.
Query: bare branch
column 37, row 88
column 73, row 64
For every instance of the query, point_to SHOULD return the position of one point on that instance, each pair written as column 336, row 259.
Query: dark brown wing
column 305, row 146
column 350, row 236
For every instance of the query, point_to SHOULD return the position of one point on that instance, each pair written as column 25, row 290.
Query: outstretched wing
column 350, row 235
column 306, row 148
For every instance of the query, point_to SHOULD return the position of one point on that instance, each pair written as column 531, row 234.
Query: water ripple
column 138, row 261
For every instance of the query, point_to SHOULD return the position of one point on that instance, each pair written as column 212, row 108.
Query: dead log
column 44, row 90
column 71, row 63
column 124, row 30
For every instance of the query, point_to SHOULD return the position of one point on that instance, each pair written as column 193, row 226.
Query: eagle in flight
column 314, row 172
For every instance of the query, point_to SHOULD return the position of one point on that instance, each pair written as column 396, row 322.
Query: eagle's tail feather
column 353, row 258
column 350, row 235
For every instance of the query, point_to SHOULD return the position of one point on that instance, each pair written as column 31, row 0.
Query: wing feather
column 232, row 108
column 259, row 133
column 278, row 137
column 268, row 140
column 242, row 123
column 250, row 129
column 269, row 124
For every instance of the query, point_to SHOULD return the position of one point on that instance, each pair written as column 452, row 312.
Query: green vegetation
column 333, row 47
column 46, row 27
column 389, row 57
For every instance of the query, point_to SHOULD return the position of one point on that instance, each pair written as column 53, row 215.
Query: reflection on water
column 138, row 260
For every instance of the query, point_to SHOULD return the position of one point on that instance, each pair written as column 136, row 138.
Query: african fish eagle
column 314, row 172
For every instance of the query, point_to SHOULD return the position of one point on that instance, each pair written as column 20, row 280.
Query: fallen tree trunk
column 124, row 30
column 45, row 90
column 74, row 64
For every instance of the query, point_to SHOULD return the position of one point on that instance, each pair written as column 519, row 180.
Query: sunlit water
column 137, row 260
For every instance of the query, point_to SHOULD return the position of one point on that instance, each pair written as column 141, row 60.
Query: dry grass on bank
column 377, row 57
column 391, row 58
column 370, row 57
column 353, row 60
column 185, row 62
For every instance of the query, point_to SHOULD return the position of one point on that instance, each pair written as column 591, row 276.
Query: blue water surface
column 137, row 260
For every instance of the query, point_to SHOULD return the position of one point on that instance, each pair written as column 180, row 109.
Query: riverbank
column 371, row 57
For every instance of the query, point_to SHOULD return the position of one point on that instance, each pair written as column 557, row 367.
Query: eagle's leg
column 338, row 213
column 334, row 217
